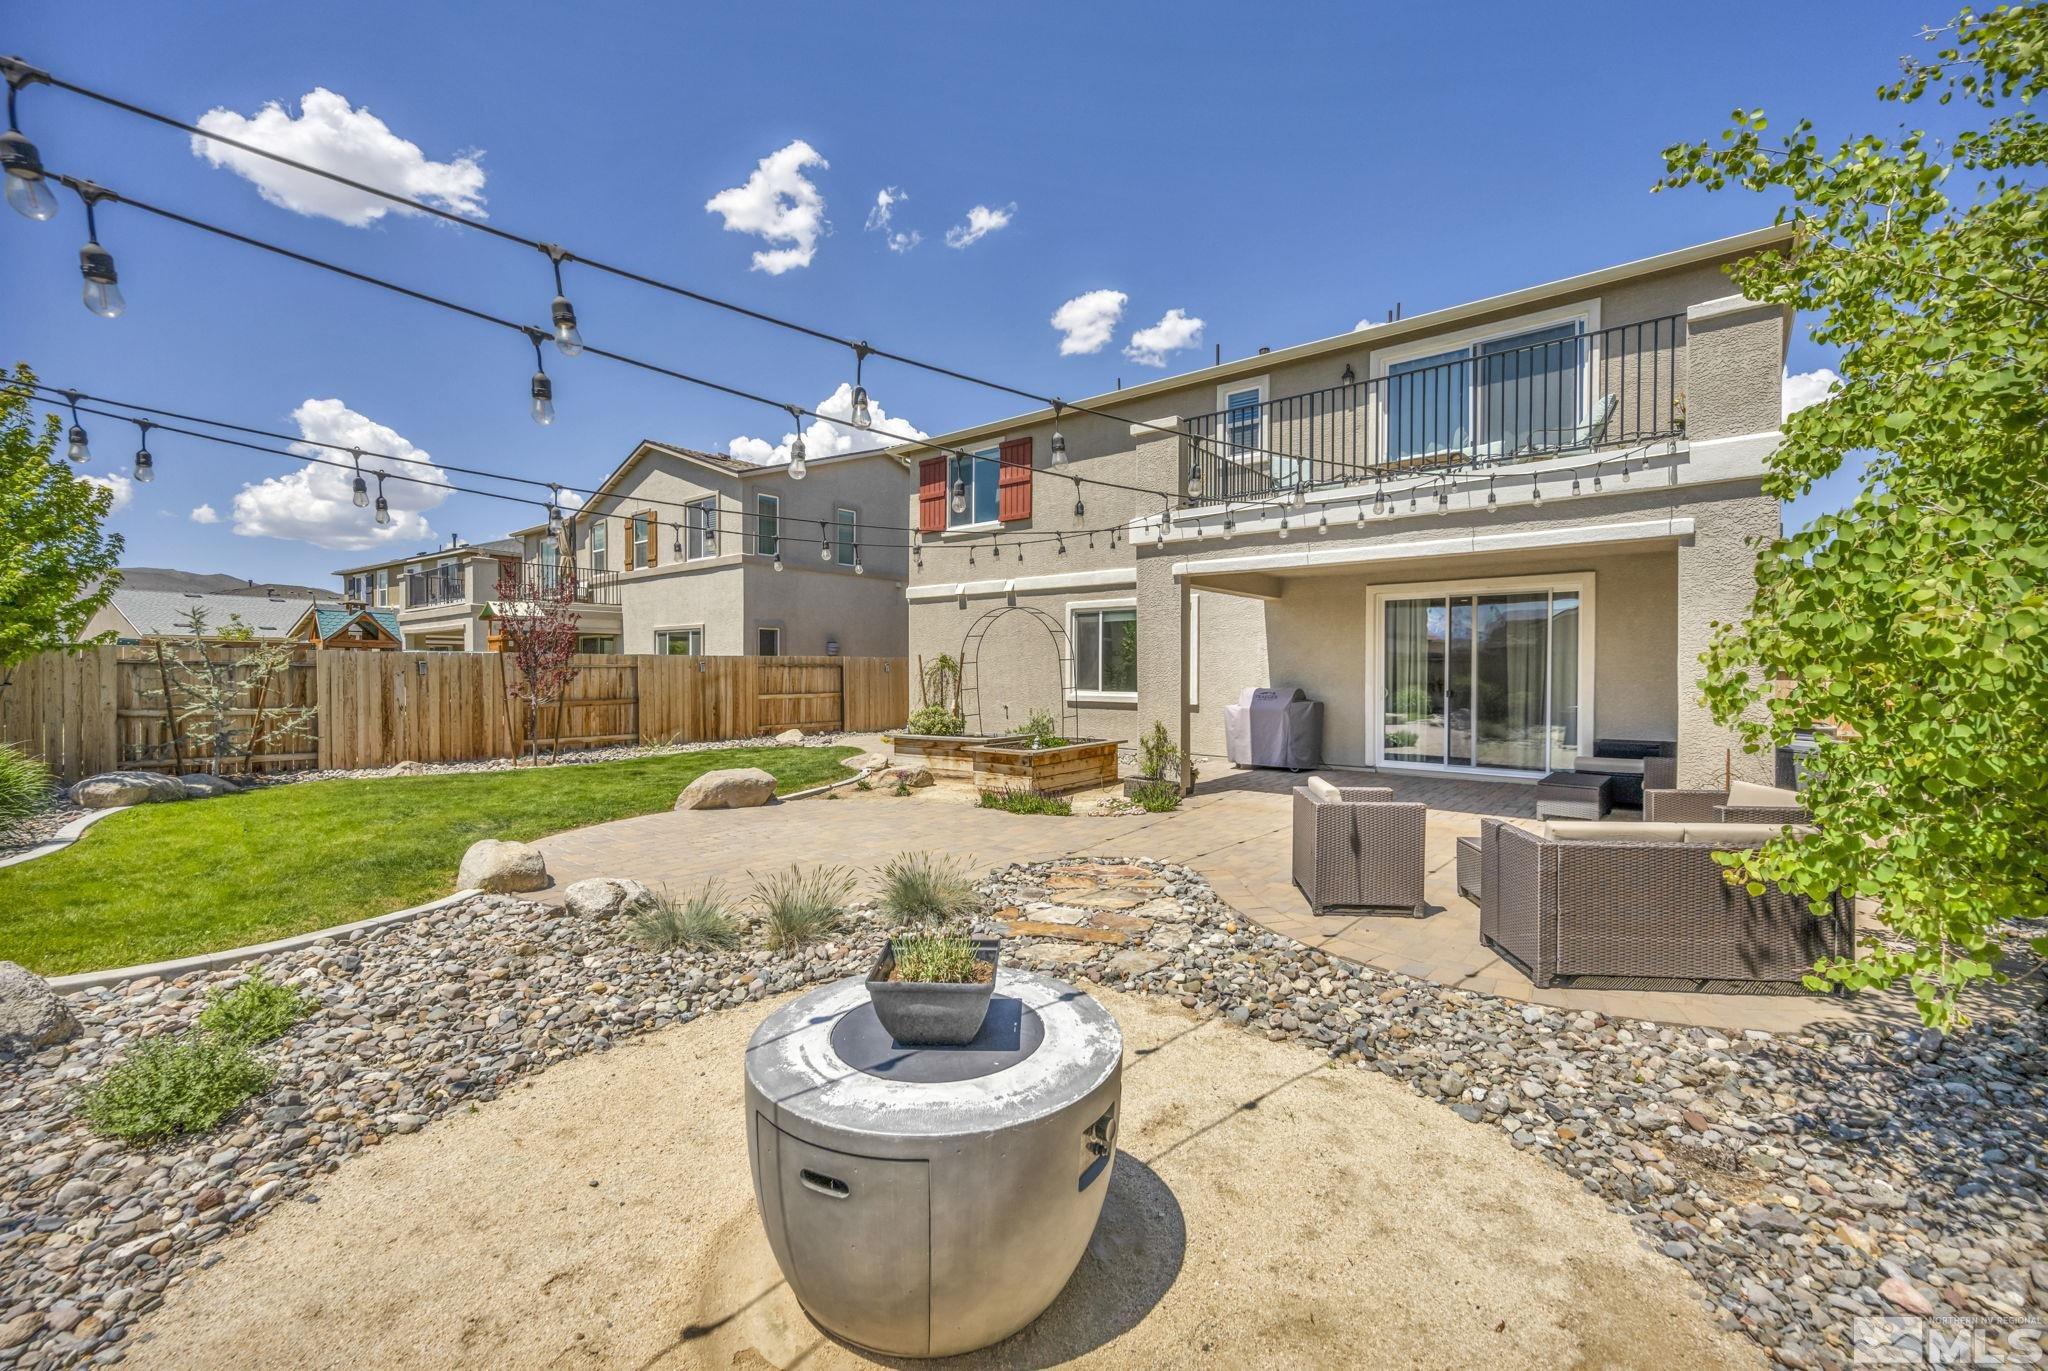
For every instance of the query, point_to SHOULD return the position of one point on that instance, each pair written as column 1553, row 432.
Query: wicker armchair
column 1356, row 847
column 1584, row 901
column 1742, row 803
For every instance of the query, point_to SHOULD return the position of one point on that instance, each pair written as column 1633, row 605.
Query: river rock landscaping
column 1807, row 1180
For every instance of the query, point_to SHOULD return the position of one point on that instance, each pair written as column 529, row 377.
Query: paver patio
column 1235, row 830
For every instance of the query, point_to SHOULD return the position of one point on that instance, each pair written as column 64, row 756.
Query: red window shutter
column 1013, row 486
column 931, row 495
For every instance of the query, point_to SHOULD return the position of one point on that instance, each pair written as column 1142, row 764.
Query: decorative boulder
column 32, row 1015
column 911, row 775
column 113, row 789
column 734, row 788
column 790, row 737
column 602, row 897
column 500, row 867
column 867, row 761
column 202, row 786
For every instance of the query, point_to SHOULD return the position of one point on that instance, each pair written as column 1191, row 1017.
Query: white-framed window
column 383, row 585
column 845, row 533
column 596, row 551
column 768, row 640
column 352, row 587
column 700, row 522
column 1492, row 392
column 1105, row 645
column 640, row 541
column 679, row 642
column 767, row 525
column 550, row 552
column 974, row 477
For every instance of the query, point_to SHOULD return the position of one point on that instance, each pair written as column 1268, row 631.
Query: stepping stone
column 1072, row 933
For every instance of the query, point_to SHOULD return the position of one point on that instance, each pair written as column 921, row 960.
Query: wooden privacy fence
column 93, row 710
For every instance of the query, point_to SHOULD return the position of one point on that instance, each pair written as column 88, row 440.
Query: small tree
column 538, row 628
column 1916, row 619
column 58, row 566
column 202, row 692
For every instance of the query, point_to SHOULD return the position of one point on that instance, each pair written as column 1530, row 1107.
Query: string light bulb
column 361, row 493
column 1379, row 498
column 858, row 568
column 1535, row 491
column 543, row 389
column 796, row 445
column 1195, row 479
column 383, row 505
column 1283, row 524
column 960, row 496
column 102, row 292
column 76, row 450
column 1059, row 440
column 568, row 341
column 1323, row 521
column 145, row 465
column 824, row 543
column 778, row 557
column 1229, row 524
column 27, row 188
column 863, row 418
column 1492, row 501
column 1575, row 483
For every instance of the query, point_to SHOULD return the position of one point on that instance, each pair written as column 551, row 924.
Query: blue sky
column 1278, row 175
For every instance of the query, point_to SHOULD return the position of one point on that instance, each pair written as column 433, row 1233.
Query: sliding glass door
column 1482, row 680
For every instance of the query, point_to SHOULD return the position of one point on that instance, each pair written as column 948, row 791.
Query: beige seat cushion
column 1611, row 831
column 1750, row 795
column 1320, row 789
column 1609, row 766
column 1733, row 835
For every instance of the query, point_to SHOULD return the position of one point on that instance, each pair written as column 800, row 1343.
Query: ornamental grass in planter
column 933, row 989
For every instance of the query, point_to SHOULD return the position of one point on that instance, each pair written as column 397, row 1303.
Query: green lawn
column 169, row 880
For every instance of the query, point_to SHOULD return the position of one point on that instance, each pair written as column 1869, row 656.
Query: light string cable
column 20, row 73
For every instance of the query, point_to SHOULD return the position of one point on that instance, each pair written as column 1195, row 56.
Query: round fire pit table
column 927, row 1201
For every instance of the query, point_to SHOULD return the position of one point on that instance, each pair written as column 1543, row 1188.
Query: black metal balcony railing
column 1585, row 392
column 441, row 585
column 594, row 585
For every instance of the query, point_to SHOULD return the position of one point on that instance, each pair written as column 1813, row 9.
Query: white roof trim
column 1107, row 577
column 1576, row 535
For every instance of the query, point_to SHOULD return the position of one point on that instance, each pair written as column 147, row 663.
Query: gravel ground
column 40, row 828
column 1806, row 1181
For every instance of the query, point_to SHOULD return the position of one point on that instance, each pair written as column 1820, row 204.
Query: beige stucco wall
column 1716, row 581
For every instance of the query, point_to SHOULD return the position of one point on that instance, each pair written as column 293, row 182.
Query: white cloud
column 328, row 132
column 1803, row 388
column 1174, row 331
column 123, row 488
column 315, row 503
column 981, row 222
column 882, row 219
column 1363, row 324
column 827, row 438
column 205, row 514
column 1087, row 321
column 779, row 204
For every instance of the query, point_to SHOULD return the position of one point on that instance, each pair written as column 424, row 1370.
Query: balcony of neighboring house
column 1542, row 393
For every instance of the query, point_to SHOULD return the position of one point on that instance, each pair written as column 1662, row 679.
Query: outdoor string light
column 824, row 543
column 796, row 445
column 862, row 419
column 1575, row 483
column 361, row 494
column 543, row 388
column 858, row 569
column 383, row 505
column 1059, row 440
column 145, row 465
column 1492, row 504
column 75, row 449
column 1535, row 490
column 95, row 263
column 567, row 340
column 27, row 190
column 1195, row 479
column 960, row 495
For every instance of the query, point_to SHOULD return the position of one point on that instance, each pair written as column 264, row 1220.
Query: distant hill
column 216, row 583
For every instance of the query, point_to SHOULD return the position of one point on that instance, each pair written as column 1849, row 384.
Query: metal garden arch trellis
column 970, row 666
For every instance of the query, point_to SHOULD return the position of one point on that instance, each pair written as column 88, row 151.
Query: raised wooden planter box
column 948, row 757
column 1047, row 770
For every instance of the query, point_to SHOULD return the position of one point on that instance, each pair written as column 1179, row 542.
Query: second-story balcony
column 440, row 585
column 591, row 585
column 1481, row 405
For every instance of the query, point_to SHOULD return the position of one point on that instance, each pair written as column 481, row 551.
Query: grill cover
column 1274, row 726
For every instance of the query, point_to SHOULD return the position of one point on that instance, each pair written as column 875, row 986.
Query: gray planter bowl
column 933, row 1013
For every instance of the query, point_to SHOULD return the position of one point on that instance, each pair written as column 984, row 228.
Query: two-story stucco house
column 690, row 553
column 1486, row 537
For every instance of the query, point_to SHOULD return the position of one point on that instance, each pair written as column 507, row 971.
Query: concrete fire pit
column 925, row 1202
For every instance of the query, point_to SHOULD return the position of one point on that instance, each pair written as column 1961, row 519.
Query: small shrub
column 255, row 1012
column 1402, row 738
column 1026, row 802
column 943, row 958
column 1156, row 797
column 1156, row 752
column 900, row 788
column 172, row 1086
column 1040, row 730
column 24, row 788
column 927, row 890
column 700, row 923
column 863, row 784
column 802, row 907
column 939, row 721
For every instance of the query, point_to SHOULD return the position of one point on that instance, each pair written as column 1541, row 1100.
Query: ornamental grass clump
column 800, row 907
column 1026, row 802
column 1156, row 797
column 257, row 1011
column 172, row 1086
column 939, row 958
column 927, row 890
column 698, row 923
column 25, row 788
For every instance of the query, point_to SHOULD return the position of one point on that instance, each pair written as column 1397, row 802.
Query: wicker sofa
column 1646, row 903
column 1356, row 847
column 1743, row 802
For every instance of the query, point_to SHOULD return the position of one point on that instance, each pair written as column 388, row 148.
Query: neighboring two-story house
column 1485, row 537
column 686, row 552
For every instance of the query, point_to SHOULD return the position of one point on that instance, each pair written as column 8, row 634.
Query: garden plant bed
column 949, row 757
column 1045, row 770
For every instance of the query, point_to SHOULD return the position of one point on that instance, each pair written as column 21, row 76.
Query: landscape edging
column 64, row 837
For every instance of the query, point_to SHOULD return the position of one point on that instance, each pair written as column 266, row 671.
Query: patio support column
column 1716, row 581
column 1187, row 657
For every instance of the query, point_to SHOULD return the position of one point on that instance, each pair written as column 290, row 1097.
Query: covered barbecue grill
column 1274, row 726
